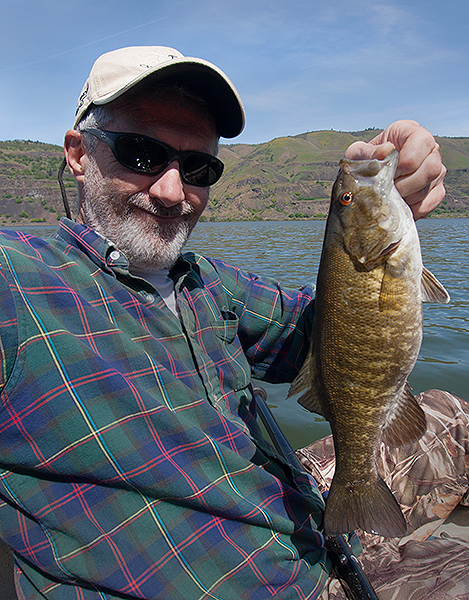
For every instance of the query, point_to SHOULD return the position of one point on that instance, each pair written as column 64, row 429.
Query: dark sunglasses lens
column 201, row 169
column 140, row 154
column 145, row 155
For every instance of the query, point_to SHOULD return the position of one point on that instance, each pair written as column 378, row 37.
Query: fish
column 365, row 340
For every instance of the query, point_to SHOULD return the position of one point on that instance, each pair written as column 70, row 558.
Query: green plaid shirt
column 131, row 463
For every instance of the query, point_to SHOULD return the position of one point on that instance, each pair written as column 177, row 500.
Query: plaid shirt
column 131, row 463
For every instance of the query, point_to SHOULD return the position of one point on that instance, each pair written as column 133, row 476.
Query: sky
column 299, row 65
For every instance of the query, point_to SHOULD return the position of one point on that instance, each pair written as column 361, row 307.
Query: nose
column 168, row 188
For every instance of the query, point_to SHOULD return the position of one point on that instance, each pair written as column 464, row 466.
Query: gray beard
column 147, row 245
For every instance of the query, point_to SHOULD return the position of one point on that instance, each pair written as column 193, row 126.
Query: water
column 290, row 251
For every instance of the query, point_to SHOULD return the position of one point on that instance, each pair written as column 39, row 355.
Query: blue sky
column 299, row 65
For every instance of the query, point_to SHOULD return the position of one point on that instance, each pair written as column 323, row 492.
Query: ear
column 75, row 154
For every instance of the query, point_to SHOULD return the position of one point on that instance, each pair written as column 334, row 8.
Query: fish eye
column 346, row 198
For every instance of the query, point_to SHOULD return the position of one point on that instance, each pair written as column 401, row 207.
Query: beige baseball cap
column 116, row 72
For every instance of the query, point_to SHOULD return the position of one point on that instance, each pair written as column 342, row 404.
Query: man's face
column 148, row 217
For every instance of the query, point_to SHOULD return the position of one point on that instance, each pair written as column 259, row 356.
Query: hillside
column 285, row 178
column 29, row 191
column 292, row 177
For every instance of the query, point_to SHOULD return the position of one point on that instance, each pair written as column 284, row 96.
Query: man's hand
column 420, row 173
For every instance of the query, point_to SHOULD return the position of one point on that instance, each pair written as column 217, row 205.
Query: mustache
column 182, row 209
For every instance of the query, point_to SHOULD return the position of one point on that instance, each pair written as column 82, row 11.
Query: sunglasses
column 146, row 155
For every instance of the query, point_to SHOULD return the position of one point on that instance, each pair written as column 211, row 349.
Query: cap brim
column 201, row 77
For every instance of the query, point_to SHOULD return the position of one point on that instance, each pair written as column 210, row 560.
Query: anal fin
column 406, row 421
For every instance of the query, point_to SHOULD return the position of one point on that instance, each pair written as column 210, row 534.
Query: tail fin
column 368, row 505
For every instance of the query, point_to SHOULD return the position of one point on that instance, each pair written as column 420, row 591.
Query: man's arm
column 274, row 322
column 8, row 331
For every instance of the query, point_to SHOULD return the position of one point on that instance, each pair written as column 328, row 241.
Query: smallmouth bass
column 366, row 338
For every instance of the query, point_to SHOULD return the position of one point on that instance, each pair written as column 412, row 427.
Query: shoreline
column 312, row 220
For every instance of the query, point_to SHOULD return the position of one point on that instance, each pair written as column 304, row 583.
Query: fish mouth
column 367, row 168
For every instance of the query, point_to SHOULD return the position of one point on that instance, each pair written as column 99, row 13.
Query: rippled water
column 290, row 251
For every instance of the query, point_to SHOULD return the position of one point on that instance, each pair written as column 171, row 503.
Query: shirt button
column 115, row 255
column 150, row 298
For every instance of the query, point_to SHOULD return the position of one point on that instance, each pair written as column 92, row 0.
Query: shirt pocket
column 226, row 328
column 235, row 368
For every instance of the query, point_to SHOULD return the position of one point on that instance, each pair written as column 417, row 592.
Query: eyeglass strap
column 60, row 173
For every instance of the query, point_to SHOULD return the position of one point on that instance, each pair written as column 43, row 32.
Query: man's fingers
column 428, row 175
column 421, row 208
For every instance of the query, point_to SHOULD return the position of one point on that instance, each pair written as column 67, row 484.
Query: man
column 132, row 464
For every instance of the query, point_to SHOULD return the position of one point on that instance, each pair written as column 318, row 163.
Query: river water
column 290, row 251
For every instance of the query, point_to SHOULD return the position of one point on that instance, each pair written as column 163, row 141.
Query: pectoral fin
column 389, row 295
column 432, row 289
column 406, row 421
column 305, row 382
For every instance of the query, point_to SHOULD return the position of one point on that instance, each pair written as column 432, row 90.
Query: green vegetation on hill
column 284, row 178
column 29, row 192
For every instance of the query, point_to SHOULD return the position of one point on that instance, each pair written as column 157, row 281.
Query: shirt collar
column 108, row 257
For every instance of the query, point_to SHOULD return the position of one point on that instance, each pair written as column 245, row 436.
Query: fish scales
column 365, row 340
